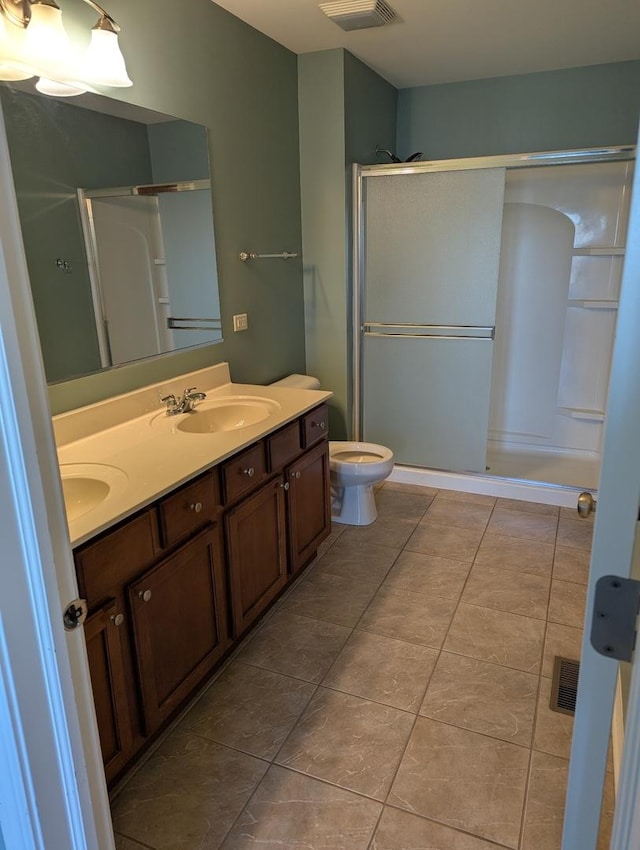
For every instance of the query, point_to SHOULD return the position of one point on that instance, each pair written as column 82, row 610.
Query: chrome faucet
column 186, row 403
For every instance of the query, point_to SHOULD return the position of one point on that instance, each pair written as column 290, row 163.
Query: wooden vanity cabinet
column 178, row 611
column 256, row 553
column 308, row 505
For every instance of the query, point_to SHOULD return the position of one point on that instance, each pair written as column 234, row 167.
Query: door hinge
column 615, row 612
column 74, row 614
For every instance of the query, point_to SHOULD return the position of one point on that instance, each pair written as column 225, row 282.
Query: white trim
column 505, row 488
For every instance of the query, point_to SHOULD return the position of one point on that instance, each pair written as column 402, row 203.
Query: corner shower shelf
column 582, row 413
column 598, row 252
column 593, row 303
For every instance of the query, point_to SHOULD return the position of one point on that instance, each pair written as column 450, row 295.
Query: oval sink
column 87, row 485
column 229, row 414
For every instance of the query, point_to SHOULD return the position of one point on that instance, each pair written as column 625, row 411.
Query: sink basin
column 229, row 414
column 87, row 485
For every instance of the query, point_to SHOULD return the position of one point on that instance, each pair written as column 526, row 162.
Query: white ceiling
column 440, row 41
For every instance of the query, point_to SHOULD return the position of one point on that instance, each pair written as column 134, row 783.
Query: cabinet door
column 256, row 549
column 103, row 633
column 309, row 505
column 179, row 625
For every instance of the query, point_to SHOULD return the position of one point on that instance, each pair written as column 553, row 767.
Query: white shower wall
column 556, row 313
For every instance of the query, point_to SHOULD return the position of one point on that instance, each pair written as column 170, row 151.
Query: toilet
column 355, row 469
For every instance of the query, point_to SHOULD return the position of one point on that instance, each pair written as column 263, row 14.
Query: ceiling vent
column 358, row 14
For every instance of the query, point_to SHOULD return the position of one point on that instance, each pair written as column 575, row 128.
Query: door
column 431, row 256
column 309, row 505
column 612, row 553
column 52, row 789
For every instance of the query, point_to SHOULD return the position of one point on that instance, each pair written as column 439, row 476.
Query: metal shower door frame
column 360, row 173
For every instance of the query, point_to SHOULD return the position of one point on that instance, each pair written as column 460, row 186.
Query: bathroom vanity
column 174, row 574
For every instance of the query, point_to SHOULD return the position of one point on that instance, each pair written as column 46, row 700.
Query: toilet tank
column 298, row 382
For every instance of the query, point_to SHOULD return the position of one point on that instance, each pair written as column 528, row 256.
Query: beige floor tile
column 407, row 506
column 459, row 496
column 567, row 603
column 395, row 486
column 575, row 533
column 459, row 544
column 482, row 697
column 507, row 639
column 250, row 709
column 336, row 599
column 511, row 553
column 296, row 811
column 527, row 507
column 187, row 796
column 459, row 514
column 384, row 670
column 527, row 526
column 544, row 812
column 358, row 560
column 348, row 741
column 428, row 574
column 392, row 531
column 401, row 831
column 571, row 565
column 403, row 615
column 572, row 513
column 506, row 590
column 336, row 531
column 553, row 730
column 468, row 781
column 564, row 641
column 123, row 843
column 296, row 646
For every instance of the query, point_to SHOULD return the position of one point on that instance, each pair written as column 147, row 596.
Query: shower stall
column 485, row 304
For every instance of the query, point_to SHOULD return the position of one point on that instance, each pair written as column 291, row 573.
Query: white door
column 52, row 789
column 612, row 553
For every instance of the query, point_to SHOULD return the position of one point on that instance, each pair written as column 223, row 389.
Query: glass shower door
column 431, row 254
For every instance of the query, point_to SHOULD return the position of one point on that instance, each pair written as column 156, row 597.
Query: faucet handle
column 169, row 398
column 172, row 403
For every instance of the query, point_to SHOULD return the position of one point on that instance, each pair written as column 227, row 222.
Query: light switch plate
column 240, row 322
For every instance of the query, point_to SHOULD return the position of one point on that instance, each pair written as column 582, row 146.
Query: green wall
column 211, row 68
column 179, row 151
column 47, row 171
column 345, row 110
column 556, row 110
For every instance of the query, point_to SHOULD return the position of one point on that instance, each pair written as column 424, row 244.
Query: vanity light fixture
column 34, row 43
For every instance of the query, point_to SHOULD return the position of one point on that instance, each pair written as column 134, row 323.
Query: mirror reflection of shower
column 152, row 267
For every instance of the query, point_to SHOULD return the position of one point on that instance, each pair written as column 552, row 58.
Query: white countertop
column 154, row 456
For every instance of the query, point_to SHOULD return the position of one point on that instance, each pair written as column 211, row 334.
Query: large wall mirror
column 116, row 216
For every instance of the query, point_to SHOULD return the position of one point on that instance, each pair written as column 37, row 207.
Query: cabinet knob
column 250, row 471
column 285, row 486
column 295, row 475
column 145, row 595
column 196, row 506
column 322, row 425
column 117, row 619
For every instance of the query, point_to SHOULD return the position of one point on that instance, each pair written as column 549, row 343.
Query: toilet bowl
column 355, row 469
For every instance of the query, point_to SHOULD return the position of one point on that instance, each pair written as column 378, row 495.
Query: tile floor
column 395, row 699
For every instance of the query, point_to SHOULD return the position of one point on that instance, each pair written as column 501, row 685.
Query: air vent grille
column 564, row 685
column 358, row 14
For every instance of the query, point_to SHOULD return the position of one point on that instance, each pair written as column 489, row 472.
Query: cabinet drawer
column 315, row 425
column 243, row 473
column 283, row 447
column 192, row 507
column 117, row 558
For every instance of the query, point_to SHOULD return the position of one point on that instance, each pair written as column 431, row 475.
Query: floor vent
column 564, row 686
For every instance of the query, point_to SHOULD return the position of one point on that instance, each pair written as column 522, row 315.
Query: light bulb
column 104, row 62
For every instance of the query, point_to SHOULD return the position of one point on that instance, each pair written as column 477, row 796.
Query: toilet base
column 354, row 505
